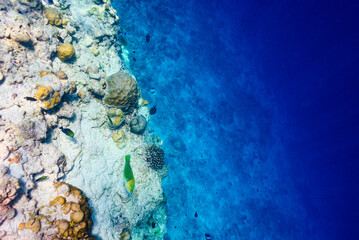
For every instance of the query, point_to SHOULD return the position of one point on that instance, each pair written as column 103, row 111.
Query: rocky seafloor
column 70, row 111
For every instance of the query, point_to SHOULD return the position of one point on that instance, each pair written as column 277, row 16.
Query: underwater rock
column 20, row 35
column 44, row 73
column 33, row 127
column 155, row 157
column 122, row 92
column 65, row 51
column 138, row 125
column 115, row 118
column 65, row 111
column 81, row 94
column 61, row 74
column 4, row 152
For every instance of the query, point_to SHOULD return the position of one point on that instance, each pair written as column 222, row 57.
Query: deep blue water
column 258, row 109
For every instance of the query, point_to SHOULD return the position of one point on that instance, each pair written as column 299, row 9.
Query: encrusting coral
column 48, row 96
column 66, row 51
column 50, row 91
column 155, row 157
column 122, row 92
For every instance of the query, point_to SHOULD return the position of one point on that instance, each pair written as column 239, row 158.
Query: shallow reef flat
column 70, row 111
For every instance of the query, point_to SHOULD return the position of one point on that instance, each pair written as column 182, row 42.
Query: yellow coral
column 66, row 51
column 54, row 16
column 53, row 101
column 119, row 138
column 44, row 73
column 43, row 92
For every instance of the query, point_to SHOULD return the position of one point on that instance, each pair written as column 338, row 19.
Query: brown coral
column 122, row 92
column 66, row 51
column 71, row 204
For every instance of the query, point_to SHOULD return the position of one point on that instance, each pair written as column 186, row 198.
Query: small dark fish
column 50, row 2
column 196, row 214
column 59, row 38
column 67, row 131
column 30, row 99
column 148, row 37
column 134, row 59
column 153, row 110
column 208, row 237
column 41, row 178
column 153, row 224
column 151, row 131
column 109, row 119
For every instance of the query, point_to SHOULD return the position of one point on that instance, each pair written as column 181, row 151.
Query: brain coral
column 138, row 124
column 122, row 92
column 66, row 51
column 155, row 157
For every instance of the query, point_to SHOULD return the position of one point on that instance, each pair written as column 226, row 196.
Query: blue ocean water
column 257, row 107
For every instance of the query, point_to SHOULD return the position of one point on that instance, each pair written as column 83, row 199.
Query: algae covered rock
column 122, row 92
column 138, row 124
column 66, row 51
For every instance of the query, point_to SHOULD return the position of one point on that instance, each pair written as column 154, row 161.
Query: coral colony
column 70, row 112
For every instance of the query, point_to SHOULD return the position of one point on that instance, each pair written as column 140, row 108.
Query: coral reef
column 9, row 187
column 138, row 124
column 36, row 103
column 66, row 51
column 66, row 216
column 155, row 157
column 122, row 92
